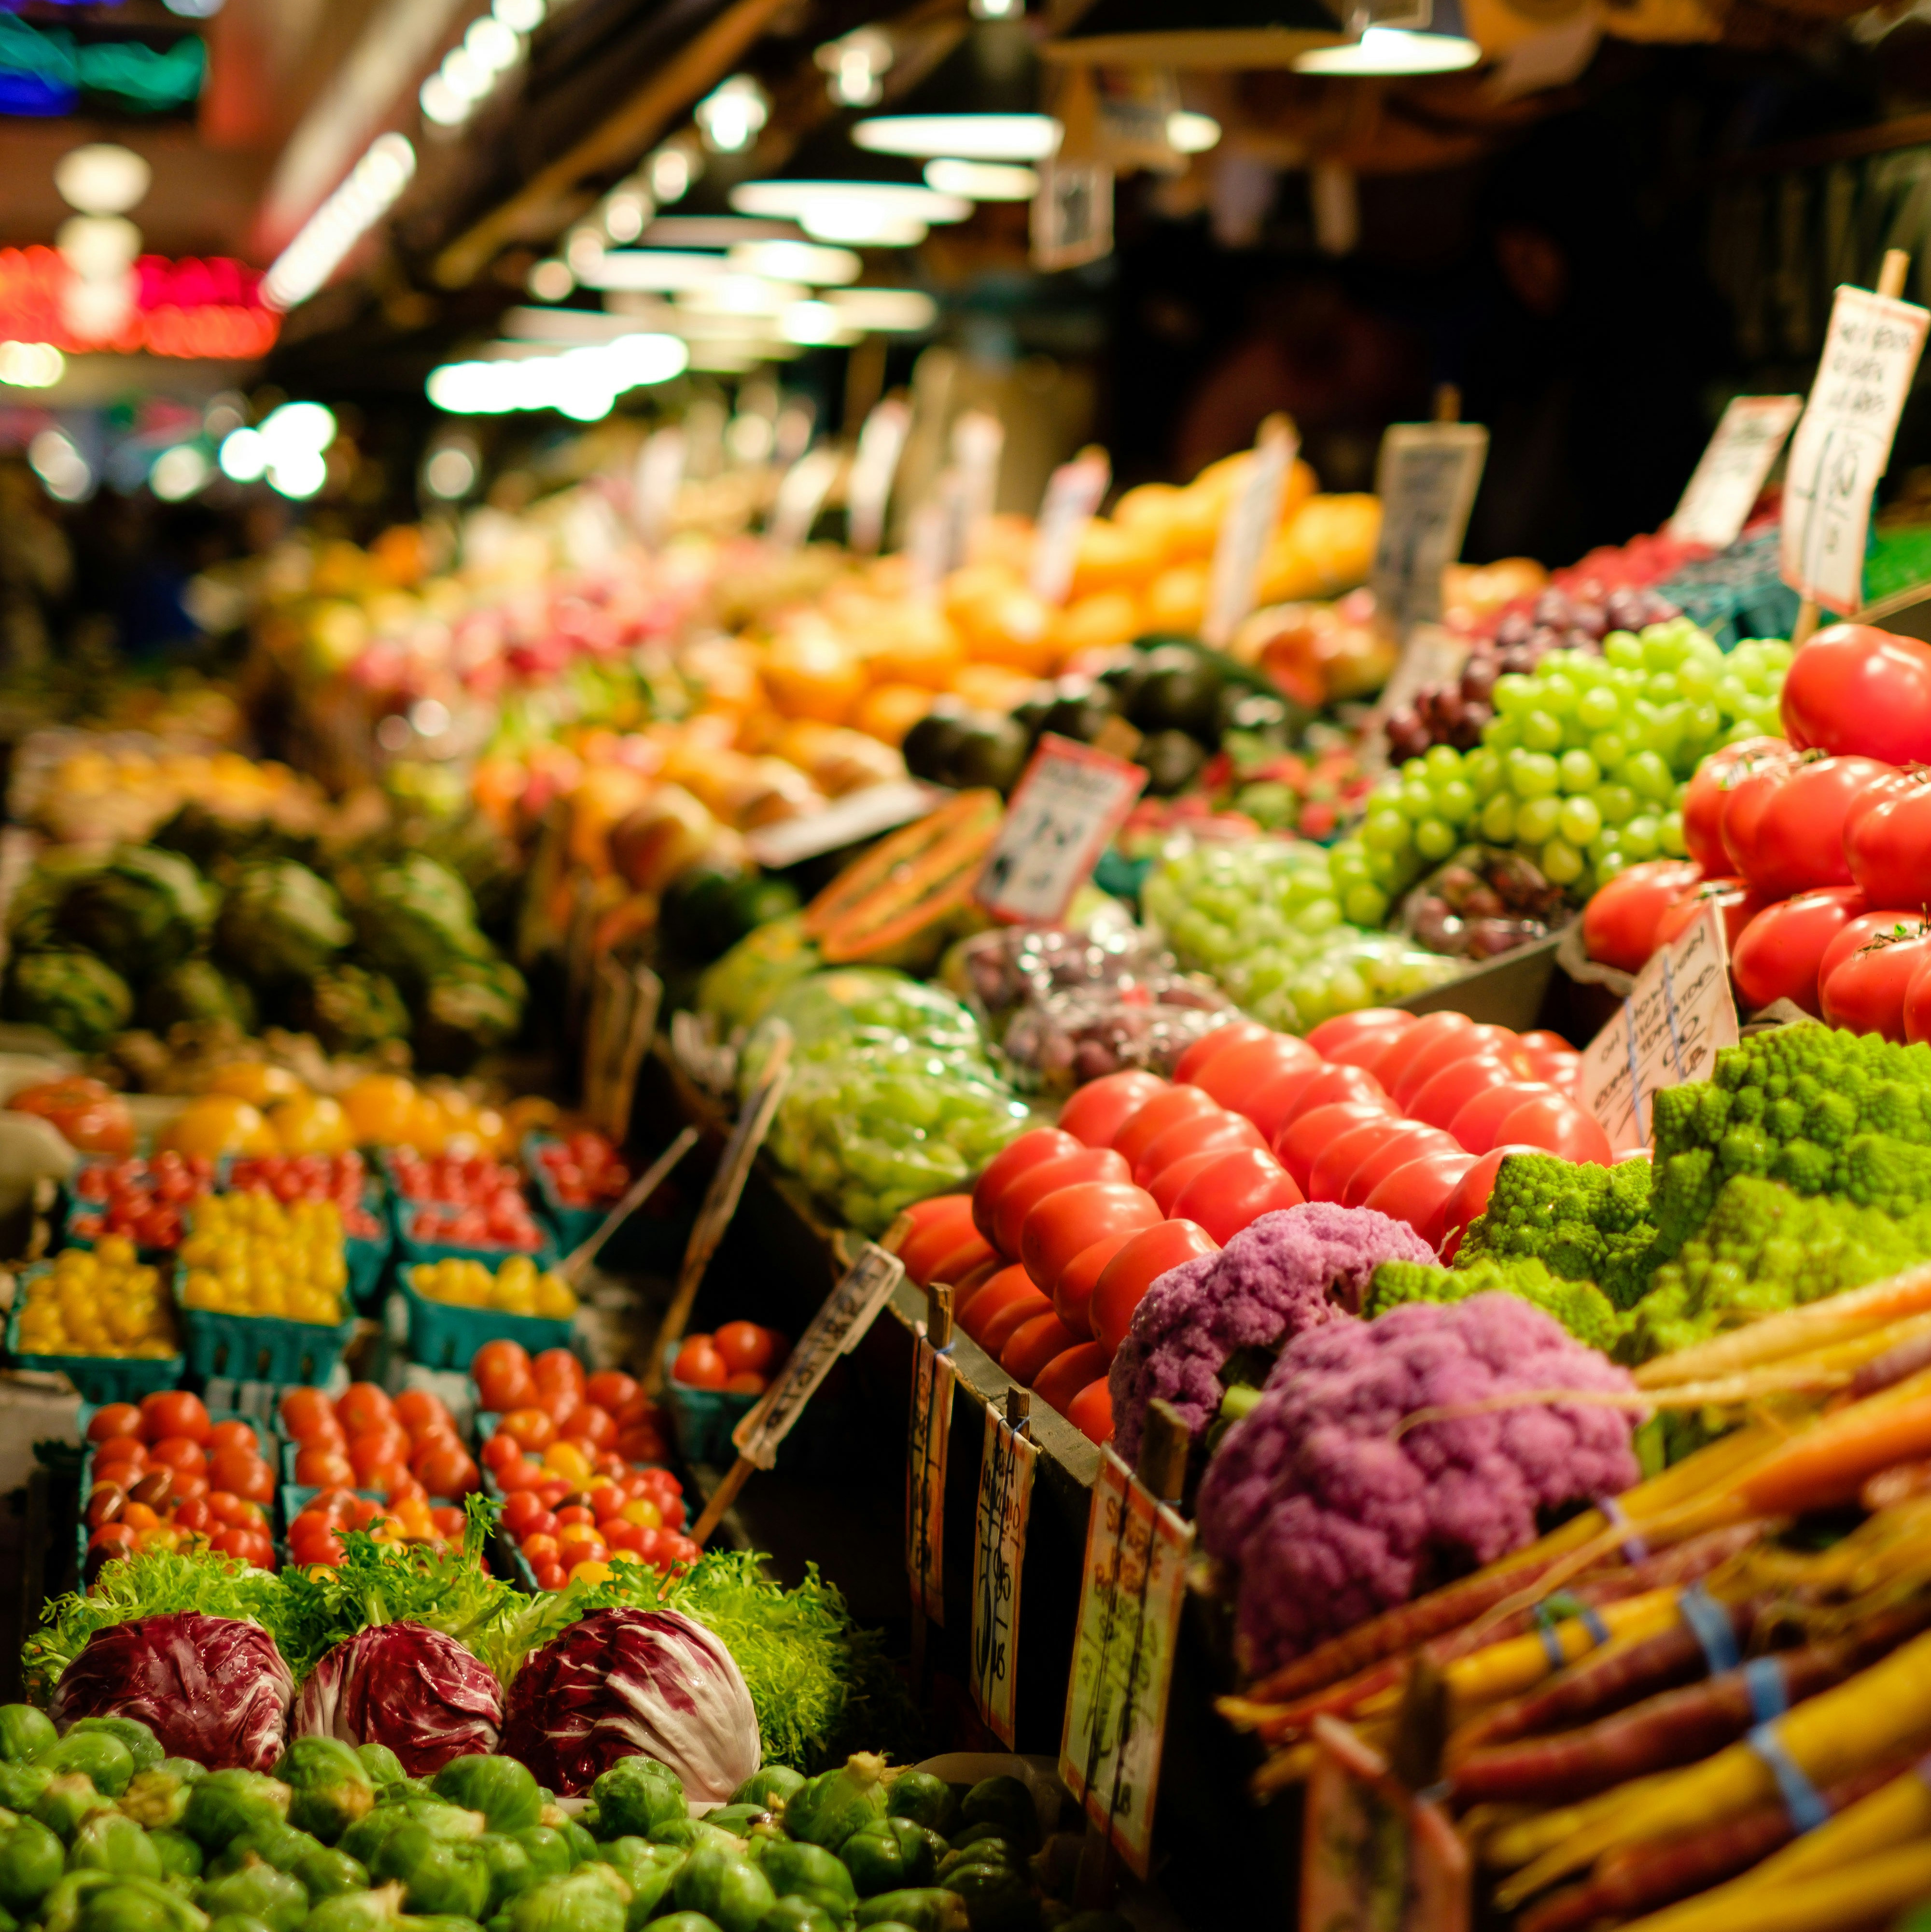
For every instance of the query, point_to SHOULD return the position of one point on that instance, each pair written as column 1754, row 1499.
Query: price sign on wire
column 1073, row 213
column 1843, row 445
column 1717, row 499
column 801, row 496
column 869, row 489
column 1132, row 1584
column 1249, row 523
column 659, row 475
column 1068, row 802
column 837, row 1328
column 1072, row 497
column 1426, row 478
column 998, row 1556
column 1677, row 1016
column 928, row 1442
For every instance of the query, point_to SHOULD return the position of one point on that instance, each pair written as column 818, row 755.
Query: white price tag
column 1072, row 497
column 1729, row 478
column 1249, row 523
column 1131, row 1585
column 1432, row 655
column 935, row 531
column 1677, row 1016
column 998, row 1556
column 1070, row 801
column 858, row 814
column 928, row 1445
column 1843, row 445
column 869, row 489
column 801, row 496
column 1426, row 478
column 979, row 441
column 659, row 476
column 1073, row 213
column 837, row 1328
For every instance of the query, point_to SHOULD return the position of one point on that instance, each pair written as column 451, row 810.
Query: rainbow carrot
column 1866, row 1893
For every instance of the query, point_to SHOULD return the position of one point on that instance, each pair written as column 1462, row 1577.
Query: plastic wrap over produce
column 621, row 1682
column 1481, row 903
column 415, row 1690
column 214, row 1689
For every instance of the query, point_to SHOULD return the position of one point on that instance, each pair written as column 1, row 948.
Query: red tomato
column 1233, row 1191
column 1033, row 1344
column 1799, row 837
column 1272, row 1104
column 446, row 1472
column 747, row 1381
column 938, row 1234
column 1777, row 954
column 699, row 1366
column 523, row 1513
column 1048, row 1176
column 1210, row 1045
column 193, row 1514
column 1746, row 797
column 1234, row 1076
column 248, row 1476
column 512, row 1478
column 1167, row 1188
column 1555, row 1124
column 1205, row 1133
column 374, row 1446
column 238, row 1544
column 533, row 1428
column 968, row 1285
column 1100, row 1108
column 417, row 1409
column 746, row 1346
column 1471, row 1197
column 1455, row 1085
column 1419, row 1192
column 972, row 1254
column 1853, row 687
column 323, row 1468
column 1009, row 1286
column 1917, row 1007
column 589, row 1423
column 1709, row 792
column 1066, row 1374
column 1072, row 1293
column 232, row 1436
column 1426, row 1032
column 174, row 1412
column 1333, row 1084
column 1398, row 1151
column 122, row 1449
column 1091, row 1412
column 189, row 1485
column 1328, row 1172
column 558, row 1369
column 363, row 1406
column 1867, row 970
column 1298, row 1144
column 1738, row 901
column 996, row 1332
column 1475, row 1126
column 1069, row 1221
column 115, row 1418
column 1619, row 923
column 1888, row 847
column 1438, row 1054
column 618, row 1533
column 1332, row 1038
column 1017, row 1158
column 1124, row 1279
column 1163, row 1111
column 611, row 1388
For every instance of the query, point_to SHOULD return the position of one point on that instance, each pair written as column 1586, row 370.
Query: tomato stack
column 463, row 1201
column 1815, row 846
column 401, row 1449
column 606, row 1416
column 342, row 1178
column 144, row 1200
column 586, row 1170
column 166, row 1476
column 738, row 1359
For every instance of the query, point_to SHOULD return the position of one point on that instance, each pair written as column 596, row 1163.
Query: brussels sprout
column 31, row 1861
column 60, row 1910
column 634, row 1795
column 179, row 1854
column 772, row 1787
column 21, row 1785
column 110, row 1842
column 185, row 1770
column 919, row 1796
column 274, row 1898
column 997, row 1898
column 685, row 1921
column 1005, row 1801
column 583, row 1846
column 281, row 1846
column 727, row 1888
column 649, row 1869
column 792, row 1866
column 329, row 1786
column 97, row 1755
column 509, row 1868
column 437, row 1921
column 580, row 1901
column 137, row 1905
column 225, row 1804
column 737, row 1819
column 328, row 1872
column 155, row 1797
column 834, row 1907
column 888, row 1855
column 236, row 1921
column 830, row 1807
column 927, row 1908
column 689, row 1832
column 384, row 1767
column 503, row 1790
column 25, row 1733
column 67, row 1803
column 795, row 1914
column 548, row 1851
column 985, row 1852
column 143, row 1747
column 365, row 1837
column 439, row 1875
column 355, row 1912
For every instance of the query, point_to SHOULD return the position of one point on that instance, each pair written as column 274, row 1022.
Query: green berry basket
column 446, row 1335
column 259, row 1347
column 100, row 1379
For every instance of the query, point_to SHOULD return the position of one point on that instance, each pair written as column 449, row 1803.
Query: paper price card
column 1249, row 523
column 801, row 496
column 1728, row 480
column 1426, row 477
column 837, row 1328
column 1676, row 1017
column 1843, row 445
column 1069, row 801
column 660, row 474
column 928, row 1439
column 1072, row 496
column 998, row 1555
column 869, row 489
column 1073, row 213
column 1131, row 1589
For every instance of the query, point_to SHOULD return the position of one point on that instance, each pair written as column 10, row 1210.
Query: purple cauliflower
column 1331, row 1518
column 1289, row 1271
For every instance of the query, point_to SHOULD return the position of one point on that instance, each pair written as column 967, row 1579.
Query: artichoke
column 141, row 912
column 281, row 922
column 349, row 1009
column 196, row 991
column 215, row 839
column 467, row 1011
column 417, row 923
column 74, row 995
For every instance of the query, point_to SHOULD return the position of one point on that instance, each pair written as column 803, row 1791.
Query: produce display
column 101, row 1301
column 401, row 1451
column 738, row 1358
column 515, row 1288
column 248, row 1254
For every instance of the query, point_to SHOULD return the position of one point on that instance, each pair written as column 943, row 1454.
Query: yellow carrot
column 1516, row 1664
column 1892, row 1815
column 1874, row 1716
column 1860, row 1895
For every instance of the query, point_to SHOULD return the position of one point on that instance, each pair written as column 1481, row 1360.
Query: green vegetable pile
column 101, row 1833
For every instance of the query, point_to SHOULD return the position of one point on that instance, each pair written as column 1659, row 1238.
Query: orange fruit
column 380, row 1107
column 918, row 645
column 216, row 1124
column 811, row 673
column 1113, row 556
column 1177, row 599
column 989, row 687
column 889, row 711
column 1107, row 617
column 256, row 1082
column 311, row 1124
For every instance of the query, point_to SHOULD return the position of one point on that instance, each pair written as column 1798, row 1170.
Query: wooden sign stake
column 939, row 1334
column 578, row 1263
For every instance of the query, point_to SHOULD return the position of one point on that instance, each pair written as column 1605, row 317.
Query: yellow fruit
column 1106, row 618
column 256, row 1082
column 215, row 1124
column 1177, row 599
column 381, row 1108
column 888, row 711
column 554, row 1299
column 530, row 1113
column 312, row 1123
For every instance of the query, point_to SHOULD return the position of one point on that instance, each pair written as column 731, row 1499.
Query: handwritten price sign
column 998, row 1555
column 1130, row 1598
column 1717, row 501
column 1069, row 803
column 929, row 1440
column 1426, row 478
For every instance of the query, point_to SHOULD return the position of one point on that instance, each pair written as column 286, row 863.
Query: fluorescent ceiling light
column 816, row 323
column 102, row 178
column 583, row 383
column 552, row 281
column 340, row 222
column 965, row 137
column 521, row 16
column 1391, row 50
column 31, row 365
column 799, row 200
column 243, row 456
column 655, row 270
column 1190, row 134
column 178, row 473
column 742, row 294
column 889, row 311
column 795, row 261
column 982, row 181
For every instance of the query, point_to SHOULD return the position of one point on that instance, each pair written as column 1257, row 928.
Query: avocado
column 1258, row 711
column 932, row 745
column 1124, row 676
column 1028, row 714
column 1172, row 761
column 1180, row 692
column 992, row 752
column 1081, row 711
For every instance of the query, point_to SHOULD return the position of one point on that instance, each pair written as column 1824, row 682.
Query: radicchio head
column 620, row 1681
column 407, row 1686
column 211, row 1688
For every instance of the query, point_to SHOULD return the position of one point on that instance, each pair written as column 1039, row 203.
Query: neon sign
column 197, row 307
column 46, row 71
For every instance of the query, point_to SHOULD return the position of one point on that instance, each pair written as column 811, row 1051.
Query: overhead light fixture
column 879, row 214
column 814, row 325
column 795, row 261
column 1190, row 133
column 742, row 294
column 472, row 70
column 64, row 473
column 449, row 474
column 294, row 441
column 626, row 211
column 101, row 250
column 582, row 251
column 730, row 116
column 1397, row 37
column 983, row 181
column 551, row 281
column 886, row 311
column 369, row 192
column 855, row 65
column 178, row 472
column 31, row 365
column 243, row 456
column 651, row 271
column 102, row 178
column 521, row 16
column 670, row 172
column 980, row 104
column 583, row 383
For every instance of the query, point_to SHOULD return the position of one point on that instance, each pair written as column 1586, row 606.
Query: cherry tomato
column 1124, row 1281
column 746, row 1382
column 1333, row 1086
column 1018, row 1157
column 1471, row 1192
column 1309, row 1134
column 416, row 1409
column 533, row 1428
column 245, row 1475
column 1163, row 1111
column 117, row 1539
column 363, row 1406
column 549, row 1576
column 123, row 1475
column 1475, row 1126
column 502, row 1373
column 1888, row 846
column 232, row 1436
column 558, row 1369
column 1777, row 954
column 1853, row 687
column 174, row 1412
column 1204, row 1133
column 1099, row 1110
column 1799, row 837
column 115, row 1418
column 238, row 1544
column 1033, row 1344
column 612, row 1389
column 1009, row 1286
column 323, row 1468
column 1555, row 1124
column 598, row 1426
column 1234, row 1191
column 1619, row 923
column 522, row 1514
column 617, row 1533
column 1070, row 1220
column 1048, row 1177
column 1708, row 793
column 1091, row 1412
column 699, row 1366
column 514, row 1477
column 118, row 1449
column 1072, row 1293
column 1375, row 1028
column 1442, row 1052
column 445, row 1472
column 540, row 1546
column 937, row 1234
column 1866, row 971
column 1397, row 1151
column 1455, row 1085
column 376, row 1446
column 1232, row 1076
column 1210, row 1045
column 1067, row 1373
column 1419, row 1191
column 194, row 1515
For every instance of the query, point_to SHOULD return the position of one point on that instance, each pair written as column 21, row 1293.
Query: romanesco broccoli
column 1579, row 1305
column 1584, row 1223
